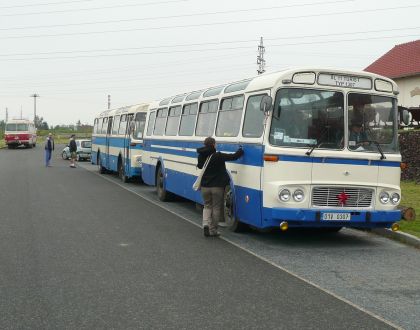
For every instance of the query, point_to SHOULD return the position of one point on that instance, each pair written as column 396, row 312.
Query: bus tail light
column 271, row 158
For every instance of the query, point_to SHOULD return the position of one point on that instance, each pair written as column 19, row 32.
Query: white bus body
column 326, row 155
column 117, row 140
column 20, row 132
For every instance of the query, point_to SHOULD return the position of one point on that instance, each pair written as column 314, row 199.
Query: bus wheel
column 162, row 193
column 101, row 169
column 231, row 221
column 121, row 172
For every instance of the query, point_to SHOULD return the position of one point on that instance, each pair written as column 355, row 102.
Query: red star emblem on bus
column 342, row 198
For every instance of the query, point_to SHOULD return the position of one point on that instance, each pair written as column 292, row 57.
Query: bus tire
column 162, row 193
column 121, row 172
column 231, row 221
column 101, row 169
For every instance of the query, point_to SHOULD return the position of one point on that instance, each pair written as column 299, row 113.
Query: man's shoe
column 206, row 231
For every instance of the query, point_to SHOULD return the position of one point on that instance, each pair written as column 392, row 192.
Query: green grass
column 411, row 197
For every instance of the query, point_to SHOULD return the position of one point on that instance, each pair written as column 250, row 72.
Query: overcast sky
column 73, row 53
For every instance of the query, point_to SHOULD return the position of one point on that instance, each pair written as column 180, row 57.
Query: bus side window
column 206, row 118
column 230, row 116
column 173, row 120
column 123, row 125
column 95, row 126
column 254, row 117
column 116, row 125
column 104, row 125
column 108, row 132
column 189, row 114
column 151, row 123
column 160, row 121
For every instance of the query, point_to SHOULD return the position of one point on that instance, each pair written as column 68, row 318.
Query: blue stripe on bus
column 253, row 155
column 248, row 207
column 272, row 217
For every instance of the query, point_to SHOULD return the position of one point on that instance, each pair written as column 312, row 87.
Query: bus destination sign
column 336, row 80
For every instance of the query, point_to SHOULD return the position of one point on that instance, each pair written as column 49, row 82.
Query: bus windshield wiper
column 376, row 143
column 321, row 140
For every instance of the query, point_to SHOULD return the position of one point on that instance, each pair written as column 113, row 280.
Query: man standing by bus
column 49, row 148
column 73, row 151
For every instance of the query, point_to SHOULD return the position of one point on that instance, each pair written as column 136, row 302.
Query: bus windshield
column 372, row 122
column 308, row 117
column 16, row 127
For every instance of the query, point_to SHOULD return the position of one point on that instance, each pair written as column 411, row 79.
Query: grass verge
column 411, row 197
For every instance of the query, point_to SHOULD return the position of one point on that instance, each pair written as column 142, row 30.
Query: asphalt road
column 80, row 252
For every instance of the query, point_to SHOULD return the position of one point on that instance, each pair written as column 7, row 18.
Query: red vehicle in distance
column 20, row 132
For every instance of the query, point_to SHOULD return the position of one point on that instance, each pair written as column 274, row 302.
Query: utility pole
column 7, row 115
column 34, row 96
column 260, row 57
column 109, row 101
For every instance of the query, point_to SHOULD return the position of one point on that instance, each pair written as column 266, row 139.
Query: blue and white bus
column 117, row 140
column 321, row 148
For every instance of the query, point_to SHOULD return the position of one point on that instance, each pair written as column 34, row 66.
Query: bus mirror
column 266, row 104
column 406, row 117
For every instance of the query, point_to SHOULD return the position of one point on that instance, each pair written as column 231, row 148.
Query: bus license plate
column 336, row 216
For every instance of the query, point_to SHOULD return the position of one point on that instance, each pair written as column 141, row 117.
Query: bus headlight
column 395, row 198
column 284, row 195
column 384, row 197
column 298, row 195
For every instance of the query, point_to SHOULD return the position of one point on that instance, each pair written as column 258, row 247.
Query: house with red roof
column 402, row 64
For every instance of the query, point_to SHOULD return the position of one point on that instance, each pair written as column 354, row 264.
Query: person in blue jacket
column 49, row 148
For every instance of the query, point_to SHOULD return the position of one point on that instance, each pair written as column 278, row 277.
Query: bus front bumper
column 317, row 218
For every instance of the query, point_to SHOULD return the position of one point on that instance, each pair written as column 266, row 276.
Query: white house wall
column 409, row 91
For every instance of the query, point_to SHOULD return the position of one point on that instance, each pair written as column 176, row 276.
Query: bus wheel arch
column 229, row 210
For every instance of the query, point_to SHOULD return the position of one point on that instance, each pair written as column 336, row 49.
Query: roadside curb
column 398, row 236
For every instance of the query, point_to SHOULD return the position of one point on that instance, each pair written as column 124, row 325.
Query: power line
column 174, row 16
column 44, row 4
column 97, row 8
column 201, row 49
column 208, row 43
column 210, row 24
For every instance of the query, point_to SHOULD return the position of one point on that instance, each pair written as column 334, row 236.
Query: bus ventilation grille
column 333, row 197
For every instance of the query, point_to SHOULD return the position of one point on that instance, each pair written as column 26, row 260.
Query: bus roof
column 19, row 121
column 141, row 107
column 268, row 81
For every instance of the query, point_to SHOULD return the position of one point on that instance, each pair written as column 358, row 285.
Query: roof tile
column 401, row 61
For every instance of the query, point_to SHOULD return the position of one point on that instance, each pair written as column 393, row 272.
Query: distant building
column 402, row 64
